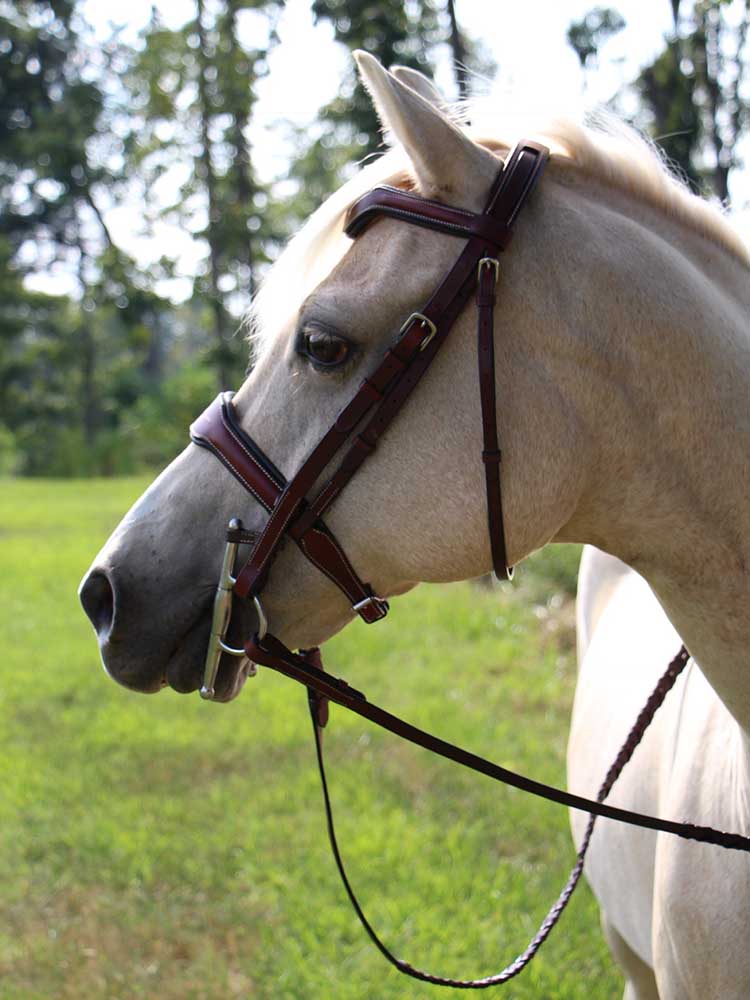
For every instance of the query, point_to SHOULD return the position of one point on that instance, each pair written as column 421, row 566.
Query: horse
column 622, row 352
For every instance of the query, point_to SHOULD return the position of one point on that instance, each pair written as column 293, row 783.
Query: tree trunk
column 458, row 49
column 89, row 403
column 244, row 187
column 707, row 42
column 206, row 170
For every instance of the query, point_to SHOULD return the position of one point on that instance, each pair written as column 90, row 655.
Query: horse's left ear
column 421, row 83
column 447, row 163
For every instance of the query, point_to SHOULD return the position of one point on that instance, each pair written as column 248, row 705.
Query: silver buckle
column 490, row 262
column 372, row 601
column 421, row 318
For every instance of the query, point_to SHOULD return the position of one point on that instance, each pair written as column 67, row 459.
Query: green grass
column 166, row 848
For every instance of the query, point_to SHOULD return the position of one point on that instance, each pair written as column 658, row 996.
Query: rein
column 293, row 512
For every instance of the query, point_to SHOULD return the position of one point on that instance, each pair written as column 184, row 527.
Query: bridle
column 362, row 422
column 295, row 511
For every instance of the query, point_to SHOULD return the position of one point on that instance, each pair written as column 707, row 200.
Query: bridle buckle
column 489, row 262
column 374, row 607
column 417, row 317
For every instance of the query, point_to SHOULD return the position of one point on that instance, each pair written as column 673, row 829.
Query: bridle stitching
column 248, row 486
column 252, row 458
column 439, row 225
column 355, row 580
column 427, row 201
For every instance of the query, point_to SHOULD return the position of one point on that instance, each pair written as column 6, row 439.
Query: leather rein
column 355, row 433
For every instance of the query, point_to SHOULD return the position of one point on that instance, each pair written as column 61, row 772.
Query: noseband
column 295, row 509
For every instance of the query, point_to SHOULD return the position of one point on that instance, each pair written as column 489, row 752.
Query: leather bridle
column 362, row 422
column 296, row 507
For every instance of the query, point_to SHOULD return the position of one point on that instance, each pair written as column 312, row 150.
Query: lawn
column 167, row 848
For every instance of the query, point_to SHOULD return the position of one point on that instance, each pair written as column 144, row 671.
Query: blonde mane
column 608, row 151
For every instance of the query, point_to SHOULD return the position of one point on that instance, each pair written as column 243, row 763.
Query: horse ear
column 421, row 83
column 424, row 86
column 447, row 162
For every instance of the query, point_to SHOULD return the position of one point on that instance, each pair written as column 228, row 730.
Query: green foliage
column 68, row 364
column 667, row 89
column 588, row 35
column 193, row 91
column 166, row 847
column 47, row 397
column 348, row 129
column 693, row 97
column 394, row 32
column 712, row 42
column 10, row 458
column 154, row 430
column 48, row 114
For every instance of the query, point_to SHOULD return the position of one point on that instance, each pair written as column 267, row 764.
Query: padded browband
column 217, row 430
column 398, row 204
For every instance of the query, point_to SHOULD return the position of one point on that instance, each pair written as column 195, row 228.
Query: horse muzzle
column 146, row 652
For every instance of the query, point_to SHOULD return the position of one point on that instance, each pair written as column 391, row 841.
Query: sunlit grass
column 163, row 847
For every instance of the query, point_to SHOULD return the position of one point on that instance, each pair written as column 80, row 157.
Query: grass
column 166, row 848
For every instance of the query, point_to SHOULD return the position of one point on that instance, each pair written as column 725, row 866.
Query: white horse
column 625, row 421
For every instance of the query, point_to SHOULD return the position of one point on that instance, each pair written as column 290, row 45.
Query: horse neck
column 657, row 333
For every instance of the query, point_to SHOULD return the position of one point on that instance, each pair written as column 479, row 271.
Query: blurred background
column 154, row 158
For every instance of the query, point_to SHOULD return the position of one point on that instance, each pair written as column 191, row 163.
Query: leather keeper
column 391, row 364
column 318, row 706
column 356, row 409
column 318, row 702
column 357, row 453
column 241, row 536
column 372, row 390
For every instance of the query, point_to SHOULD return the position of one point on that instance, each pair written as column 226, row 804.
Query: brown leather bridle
column 295, row 513
column 362, row 422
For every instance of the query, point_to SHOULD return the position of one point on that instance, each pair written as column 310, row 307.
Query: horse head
column 416, row 510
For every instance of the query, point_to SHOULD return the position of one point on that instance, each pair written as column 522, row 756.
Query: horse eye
column 325, row 349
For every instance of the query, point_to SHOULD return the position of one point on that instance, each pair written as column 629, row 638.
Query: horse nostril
column 98, row 600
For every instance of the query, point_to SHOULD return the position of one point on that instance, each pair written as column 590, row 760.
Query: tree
column 471, row 60
column 194, row 90
column 693, row 95
column 459, row 52
column 394, row 32
column 348, row 129
column 670, row 111
column 51, row 116
column 587, row 36
column 694, row 92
